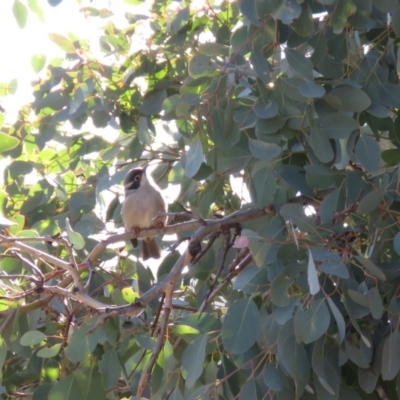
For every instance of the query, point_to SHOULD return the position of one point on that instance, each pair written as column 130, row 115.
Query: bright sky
column 19, row 45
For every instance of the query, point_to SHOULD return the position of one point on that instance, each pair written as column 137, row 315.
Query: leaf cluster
column 240, row 104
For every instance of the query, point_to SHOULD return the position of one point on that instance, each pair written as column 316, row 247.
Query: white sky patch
column 21, row 44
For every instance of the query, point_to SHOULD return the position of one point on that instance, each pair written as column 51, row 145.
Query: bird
column 143, row 207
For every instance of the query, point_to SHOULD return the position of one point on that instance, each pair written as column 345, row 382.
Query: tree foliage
column 290, row 292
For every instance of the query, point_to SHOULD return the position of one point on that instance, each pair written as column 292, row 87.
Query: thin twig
column 242, row 265
column 34, row 268
column 146, row 374
column 73, row 270
column 135, row 308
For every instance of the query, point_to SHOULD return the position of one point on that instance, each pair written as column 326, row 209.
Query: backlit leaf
column 62, row 42
column 7, row 142
column 20, row 13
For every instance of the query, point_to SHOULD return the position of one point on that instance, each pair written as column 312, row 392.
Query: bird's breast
column 140, row 207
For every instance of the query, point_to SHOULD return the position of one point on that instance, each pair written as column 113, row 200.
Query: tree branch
column 204, row 228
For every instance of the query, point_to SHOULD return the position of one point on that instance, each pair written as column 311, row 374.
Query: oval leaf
column 311, row 324
column 236, row 335
column 194, row 157
column 7, row 142
column 74, row 238
column 193, row 358
column 20, row 13
column 263, row 150
column 391, row 356
column 38, row 61
column 370, row 202
column 32, row 338
column 80, row 343
column 348, row 98
column 62, row 42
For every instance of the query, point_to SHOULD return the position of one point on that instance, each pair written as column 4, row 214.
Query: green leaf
column 368, row 153
column 327, row 376
column 371, row 268
column 194, row 157
column 396, row 21
column 295, row 213
column 396, row 243
column 249, row 390
column 49, row 352
column 386, row 5
column 265, row 109
column 312, row 276
column 110, row 369
column 193, row 359
column 3, row 352
column 288, row 13
column 312, row 323
column 304, row 24
column 321, row 145
column 181, row 19
column 89, row 380
column 371, row 201
column 134, row 2
column 336, row 126
column 263, row 150
column 339, row 320
column 299, row 63
column 153, row 102
column 264, row 186
column 8, row 88
column 280, row 289
column 66, row 389
column 321, row 177
column 295, row 360
column 7, row 142
column 100, row 117
column 222, row 128
column 348, row 98
column 260, row 63
column 81, row 343
column 227, row 160
column 75, row 238
column 212, row 49
column 33, row 5
column 20, row 13
column 32, row 338
column 62, row 42
column 38, row 61
column 249, row 9
column 201, row 65
column 391, row 156
column 54, row 3
column 391, row 356
column 311, row 90
column 343, row 11
column 236, row 336
column 375, row 303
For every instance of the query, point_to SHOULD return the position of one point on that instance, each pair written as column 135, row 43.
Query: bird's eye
column 137, row 178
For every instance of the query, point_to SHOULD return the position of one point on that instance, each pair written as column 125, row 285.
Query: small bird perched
column 143, row 202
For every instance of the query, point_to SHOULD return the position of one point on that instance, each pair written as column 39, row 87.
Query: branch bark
column 203, row 229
